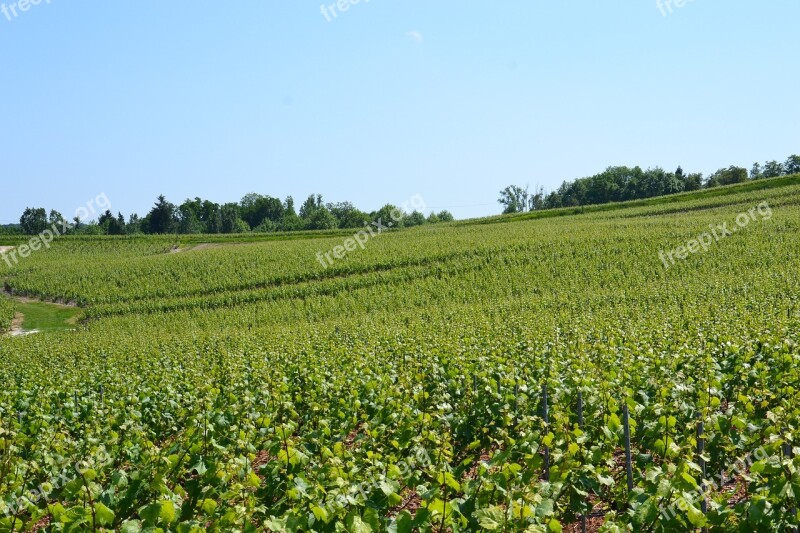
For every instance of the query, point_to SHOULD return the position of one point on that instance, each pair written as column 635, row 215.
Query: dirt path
column 200, row 247
column 26, row 300
column 16, row 327
column 208, row 246
column 18, row 322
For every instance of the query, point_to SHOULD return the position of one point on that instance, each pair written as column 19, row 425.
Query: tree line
column 619, row 184
column 254, row 213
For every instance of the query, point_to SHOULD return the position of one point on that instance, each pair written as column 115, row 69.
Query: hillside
column 240, row 384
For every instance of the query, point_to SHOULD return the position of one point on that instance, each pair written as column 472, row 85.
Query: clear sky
column 449, row 100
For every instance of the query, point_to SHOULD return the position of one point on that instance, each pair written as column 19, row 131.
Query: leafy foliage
column 621, row 184
column 6, row 314
column 243, row 388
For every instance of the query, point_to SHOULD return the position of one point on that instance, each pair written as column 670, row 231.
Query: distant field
column 245, row 387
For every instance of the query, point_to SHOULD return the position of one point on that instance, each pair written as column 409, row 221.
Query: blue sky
column 449, row 100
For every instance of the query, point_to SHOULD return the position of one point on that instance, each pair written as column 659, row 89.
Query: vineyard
column 6, row 313
column 513, row 374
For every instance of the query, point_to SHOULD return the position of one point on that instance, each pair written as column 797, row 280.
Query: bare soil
column 214, row 245
column 16, row 327
column 411, row 503
column 16, row 323
column 205, row 246
column 26, row 300
column 592, row 524
column 195, row 248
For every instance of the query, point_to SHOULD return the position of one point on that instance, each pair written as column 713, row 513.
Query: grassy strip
column 42, row 316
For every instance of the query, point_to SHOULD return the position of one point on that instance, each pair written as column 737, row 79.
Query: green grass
column 47, row 317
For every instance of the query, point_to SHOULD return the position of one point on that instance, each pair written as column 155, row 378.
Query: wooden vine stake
column 788, row 453
column 701, row 448
column 546, row 417
column 628, row 464
column 580, row 426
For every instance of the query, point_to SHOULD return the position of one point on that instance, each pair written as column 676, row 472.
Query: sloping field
column 463, row 377
column 6, row 313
